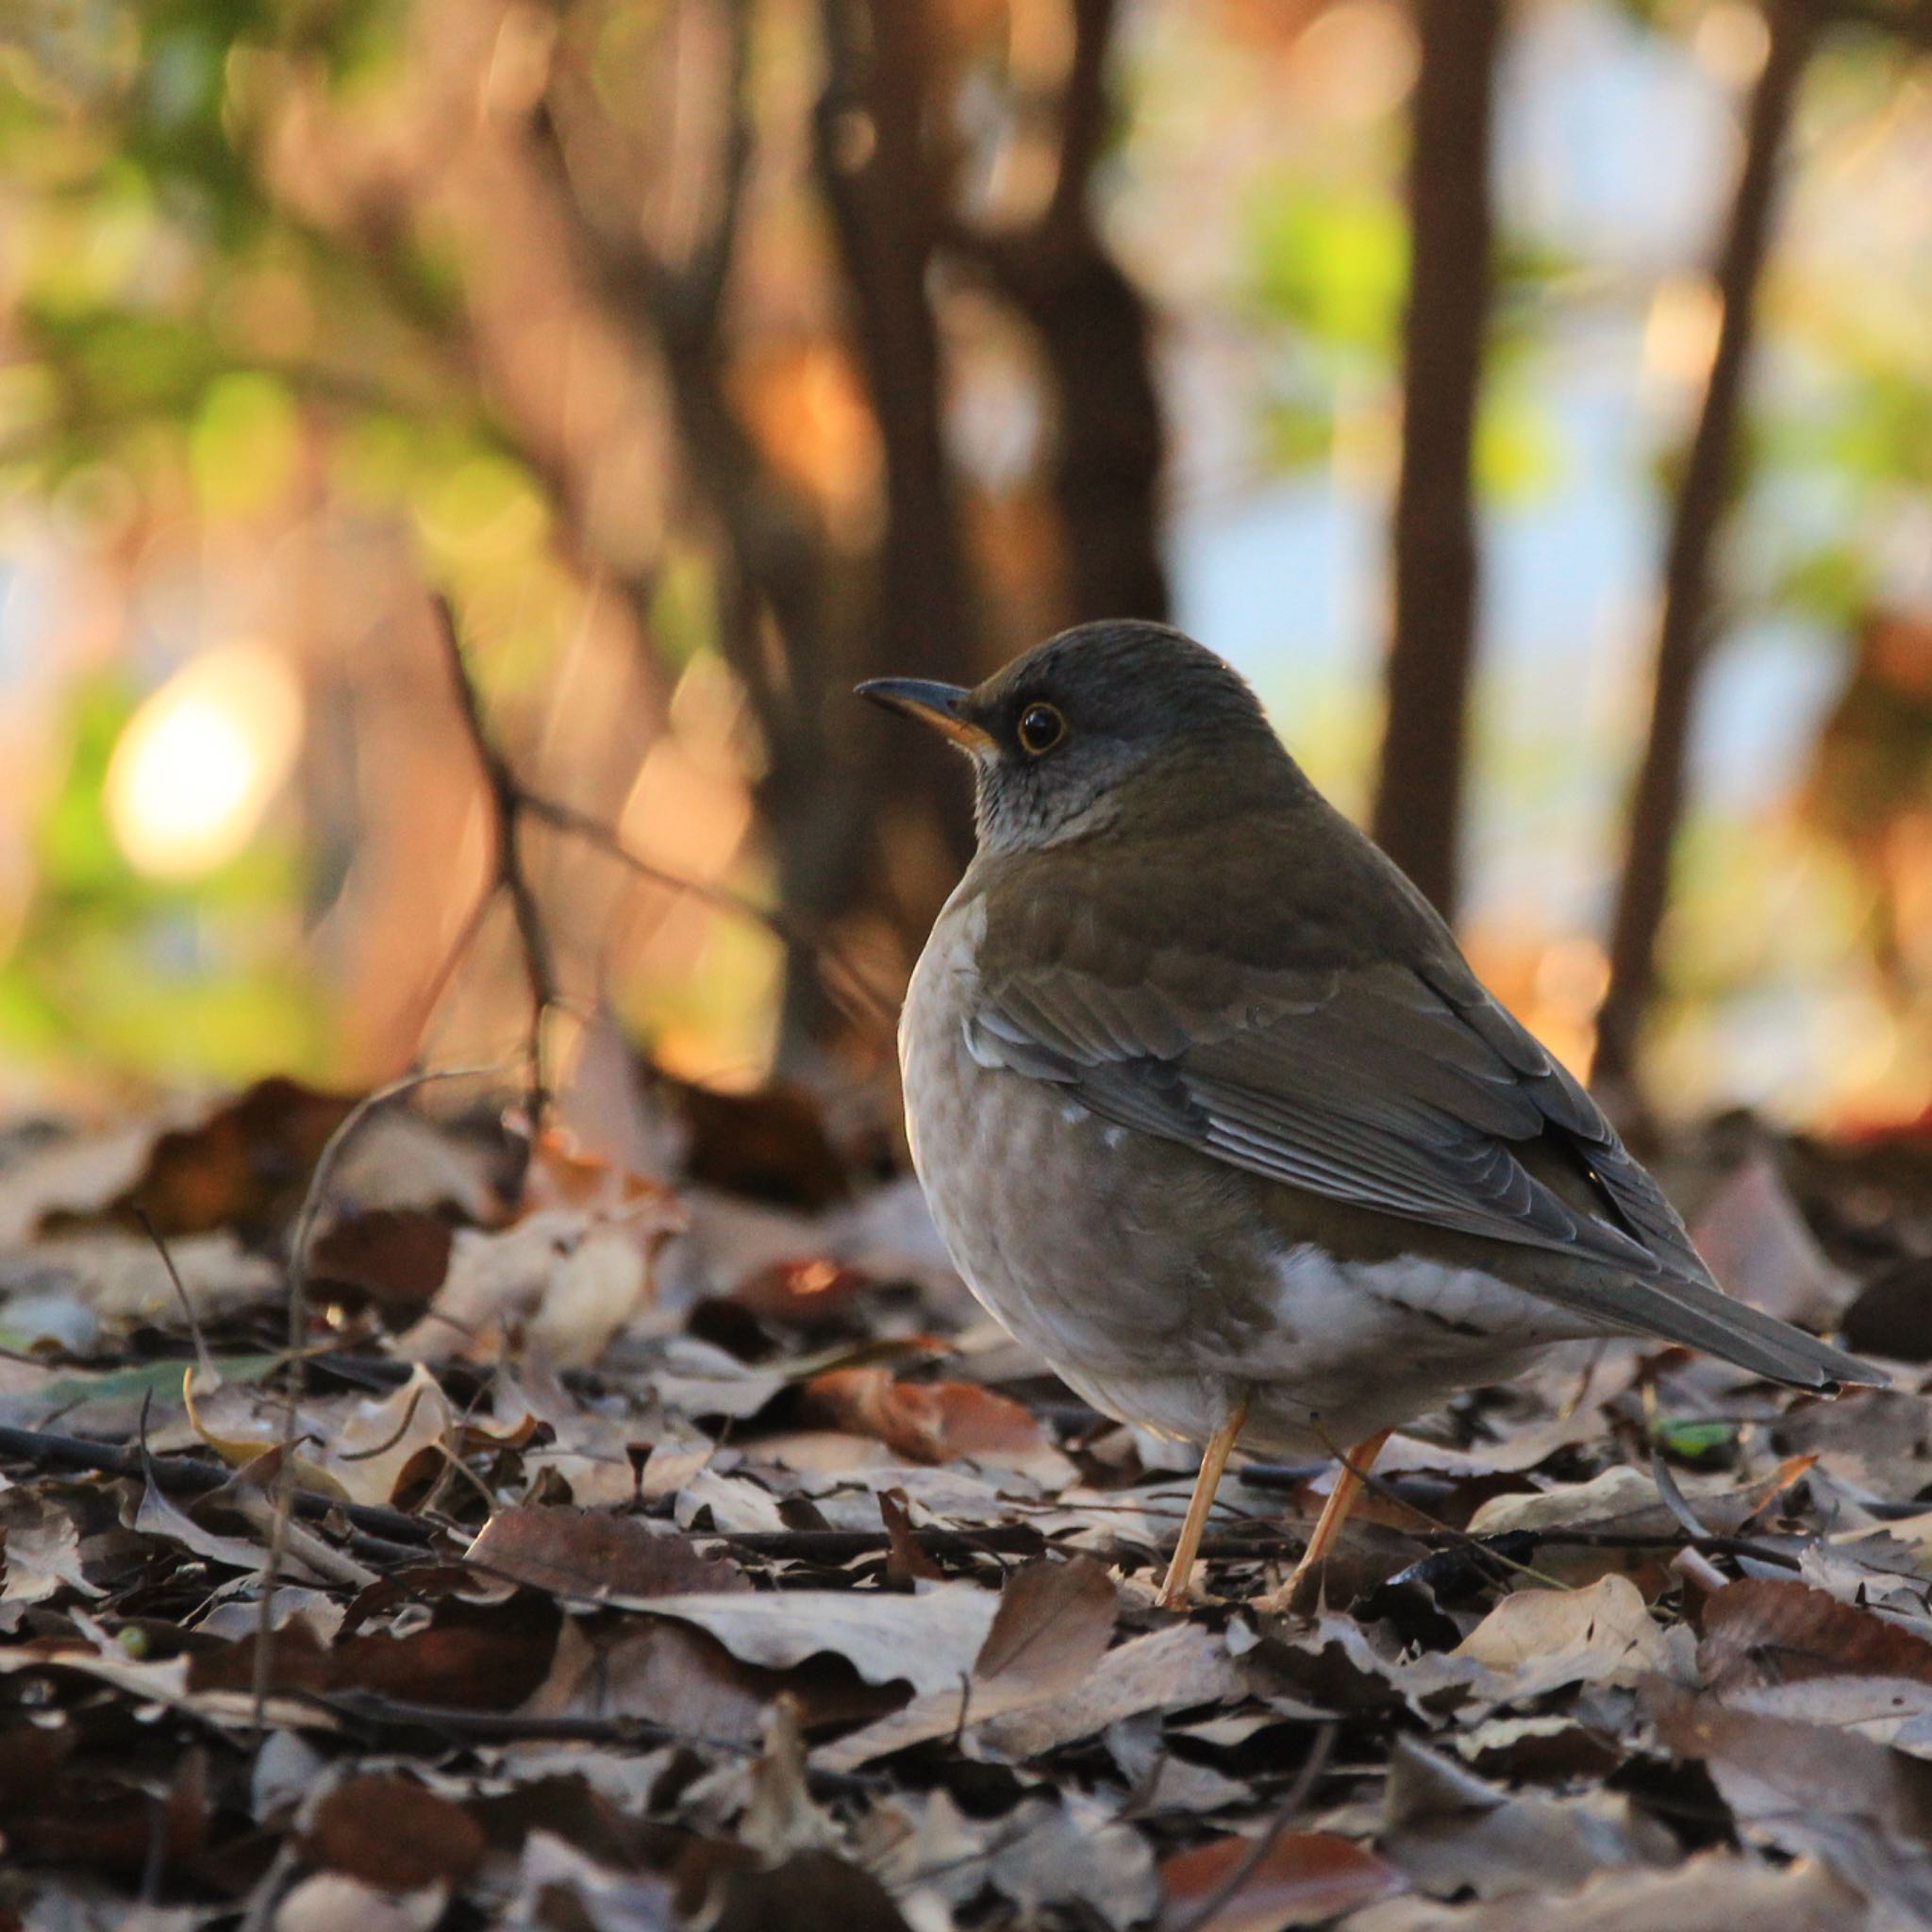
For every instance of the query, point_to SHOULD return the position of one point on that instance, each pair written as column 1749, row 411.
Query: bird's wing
column 1403, row 1089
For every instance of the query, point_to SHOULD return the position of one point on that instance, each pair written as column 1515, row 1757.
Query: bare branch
column 512, row 878
column 1704, row 499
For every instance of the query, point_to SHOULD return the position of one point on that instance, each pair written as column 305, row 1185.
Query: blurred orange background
column 710, row 355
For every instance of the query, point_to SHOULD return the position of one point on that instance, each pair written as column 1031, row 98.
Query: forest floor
column 694, row 1553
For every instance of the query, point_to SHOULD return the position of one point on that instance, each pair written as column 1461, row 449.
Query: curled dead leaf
column 923, row 1422
column 390, row 1832
column 1055, row 1621
column 1773, row 1632
column 589, row 1555
column 1302, row 1878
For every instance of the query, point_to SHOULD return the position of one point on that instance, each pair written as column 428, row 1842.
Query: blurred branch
column 1704, row 498
column 677, row 310
column 508, row 804
column 862, row 1000
column 885, row 186
column 1418, row 815
column 513, row 802
column 1910, row 22
column 1096, row 336
column 774, row 567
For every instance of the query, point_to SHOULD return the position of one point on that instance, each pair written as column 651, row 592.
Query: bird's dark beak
column 941, row 705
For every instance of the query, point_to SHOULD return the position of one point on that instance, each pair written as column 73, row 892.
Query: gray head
column 1109, row 723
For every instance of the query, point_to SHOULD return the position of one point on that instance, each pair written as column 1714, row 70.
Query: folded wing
column 1408, row 1089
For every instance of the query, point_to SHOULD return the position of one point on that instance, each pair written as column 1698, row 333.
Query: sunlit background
column 297, row 327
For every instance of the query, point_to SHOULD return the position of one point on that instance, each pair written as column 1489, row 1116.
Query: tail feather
column 1698, row 1315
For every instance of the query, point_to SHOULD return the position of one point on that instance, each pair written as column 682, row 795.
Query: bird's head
column 1109, row 724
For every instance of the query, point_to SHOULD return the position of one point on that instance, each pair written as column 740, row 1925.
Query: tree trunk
column 1704, row 498
column 1418, row 815
column 1096, row 338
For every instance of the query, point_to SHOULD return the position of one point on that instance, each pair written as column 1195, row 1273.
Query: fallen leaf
column 396, row 1257
column 1811, row 1790
column 389, row 1832
column 923, row 1422
column 1302, row 1878
column 1454, row 1834
column 926, row 1639
column 1055, row 1621
column 1757, row 1244
column 592, row 1555
column 1536, row 1640
column 1891, row 1316
column 1176, row 1667
column 571, row 1276
column 40, row 1548
column 810, row 1297
column 1711, row 1892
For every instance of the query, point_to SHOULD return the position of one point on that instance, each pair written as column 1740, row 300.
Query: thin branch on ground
column 300, row 1242
column 1321, row 1749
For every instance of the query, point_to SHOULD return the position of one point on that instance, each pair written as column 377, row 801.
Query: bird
column 1212, row 1113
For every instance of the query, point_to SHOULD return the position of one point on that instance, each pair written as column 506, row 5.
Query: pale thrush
column 1211, row 1110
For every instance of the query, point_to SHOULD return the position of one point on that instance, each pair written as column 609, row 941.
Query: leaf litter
column 686, row 1549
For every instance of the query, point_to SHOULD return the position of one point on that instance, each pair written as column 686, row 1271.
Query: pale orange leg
column 1174, row 1592
column 1335, row 1511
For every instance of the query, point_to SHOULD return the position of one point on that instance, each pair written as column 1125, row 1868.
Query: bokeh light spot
column 200, row 761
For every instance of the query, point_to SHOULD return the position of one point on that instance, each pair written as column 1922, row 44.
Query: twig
column 186, row 1475
column 371, row 1707
column 1320, row 1748
column 299, row 1242
column 866, row 1000
column 202, row 1358
column 512, row 878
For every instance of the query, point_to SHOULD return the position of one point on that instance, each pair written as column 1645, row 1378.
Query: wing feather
column 1406, row 1090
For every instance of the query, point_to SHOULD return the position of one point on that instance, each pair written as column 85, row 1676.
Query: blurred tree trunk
column 885, row 184
column 867, row 822
column 1095, row 335
column 1418, row 814
column 1704, row 498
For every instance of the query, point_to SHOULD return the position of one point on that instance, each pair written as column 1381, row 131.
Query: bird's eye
column 1041, row 728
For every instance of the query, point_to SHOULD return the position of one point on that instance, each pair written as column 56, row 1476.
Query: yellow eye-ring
column 1041, row 728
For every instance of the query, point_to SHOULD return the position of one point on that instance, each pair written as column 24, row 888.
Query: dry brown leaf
column 1536, row 1640
column 1757, row 1244
column 906, row 1562
column 396, row 1257
column 923, row 1422
column 1055, row 1620
column 390, row 1832
column 1712, row 1892
column 1179, row 1667
column 1454, row 1834
column 927, row 1639
column 570, row 1277
column 1302, row 1878
column 809, row 1297
column 590, row 1556
column 1814, row 1789
column 40, row 1548
column 1764, row 1630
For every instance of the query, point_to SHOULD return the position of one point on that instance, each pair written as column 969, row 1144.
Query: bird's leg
column 1335, row 1511
column 1174, row 1592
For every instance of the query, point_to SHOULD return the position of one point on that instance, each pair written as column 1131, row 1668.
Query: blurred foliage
column 197, row 358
